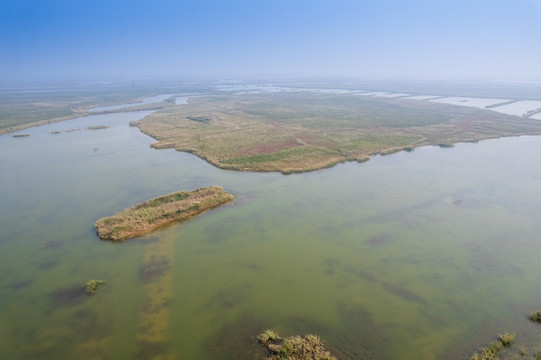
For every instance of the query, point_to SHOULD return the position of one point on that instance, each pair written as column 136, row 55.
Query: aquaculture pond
column 427, row 254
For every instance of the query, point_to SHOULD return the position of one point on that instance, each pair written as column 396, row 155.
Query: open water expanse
column 422, row 255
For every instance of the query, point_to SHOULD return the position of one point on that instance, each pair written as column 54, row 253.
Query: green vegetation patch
column 305, row 131
column 201, row 119
column 294, row 347
column 152, row 214
column 536, row 316
column 93, row 285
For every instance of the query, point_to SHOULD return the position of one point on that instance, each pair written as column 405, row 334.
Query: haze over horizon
column 418, row 39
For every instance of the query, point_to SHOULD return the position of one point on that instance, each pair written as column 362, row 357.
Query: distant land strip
column 300, row 132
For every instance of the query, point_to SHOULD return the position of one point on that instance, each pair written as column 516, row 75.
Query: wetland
column 427, row 254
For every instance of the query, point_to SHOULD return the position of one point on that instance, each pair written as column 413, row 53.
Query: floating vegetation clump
column 507, row 339
column 294, row 347
column 536, row 316
column 489, row 352
column 93, row 285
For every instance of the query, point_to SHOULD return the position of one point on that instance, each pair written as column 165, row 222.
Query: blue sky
column 233, row 39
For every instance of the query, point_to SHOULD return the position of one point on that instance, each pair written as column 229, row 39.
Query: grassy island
column 305, row 131
column 152, row 214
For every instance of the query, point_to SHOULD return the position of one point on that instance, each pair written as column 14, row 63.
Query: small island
column 294, row 347
column 155, row 213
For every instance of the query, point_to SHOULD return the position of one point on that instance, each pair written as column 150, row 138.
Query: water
column 147, row 100
column 519, row 108
column 422, row 255
column 480, row 103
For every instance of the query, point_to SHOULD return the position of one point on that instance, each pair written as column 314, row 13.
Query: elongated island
column 155, row 213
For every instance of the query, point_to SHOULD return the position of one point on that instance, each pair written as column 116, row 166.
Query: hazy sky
column 116, row 39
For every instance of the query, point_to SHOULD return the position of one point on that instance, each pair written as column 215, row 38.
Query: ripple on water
column 236, row 340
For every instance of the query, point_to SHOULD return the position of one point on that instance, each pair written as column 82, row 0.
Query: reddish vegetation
column 270, row 147
column 465, row 124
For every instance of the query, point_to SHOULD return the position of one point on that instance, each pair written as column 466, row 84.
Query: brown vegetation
column 163, row 210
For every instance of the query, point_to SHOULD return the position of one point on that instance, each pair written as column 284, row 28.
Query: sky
column 107, row 40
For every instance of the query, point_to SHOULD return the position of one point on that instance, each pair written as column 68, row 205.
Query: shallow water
column 519, row 108
column 422, row 255
column 147, row 100
column 480, row 103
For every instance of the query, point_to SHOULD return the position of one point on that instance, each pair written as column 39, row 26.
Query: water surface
column 147, row 100
column 421, row 255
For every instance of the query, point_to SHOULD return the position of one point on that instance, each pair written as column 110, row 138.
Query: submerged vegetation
column 297, row 132
column 294, row 347
column 93, row 285
column 163, row 210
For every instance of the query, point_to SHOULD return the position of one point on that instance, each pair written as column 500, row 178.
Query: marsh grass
column 158, row 212
column 489, row 352
column 535, row 316
column 298, row 132
column 294, row 347
column 97, row 127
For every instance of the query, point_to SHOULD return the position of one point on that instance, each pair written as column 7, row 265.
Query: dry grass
column 489, row 352
column 158, row 212
column 297, row 132
column 294, row 347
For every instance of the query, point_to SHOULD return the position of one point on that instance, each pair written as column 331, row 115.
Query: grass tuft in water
column 294, row 347
column 93, row 285
column 507, row 339
column 536, row 316
column 489, row 352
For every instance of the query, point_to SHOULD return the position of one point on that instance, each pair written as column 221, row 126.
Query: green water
column 422, row 255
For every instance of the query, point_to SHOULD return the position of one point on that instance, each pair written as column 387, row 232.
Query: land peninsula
column 304, row 131
column 25, row 108
column 158, row 212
